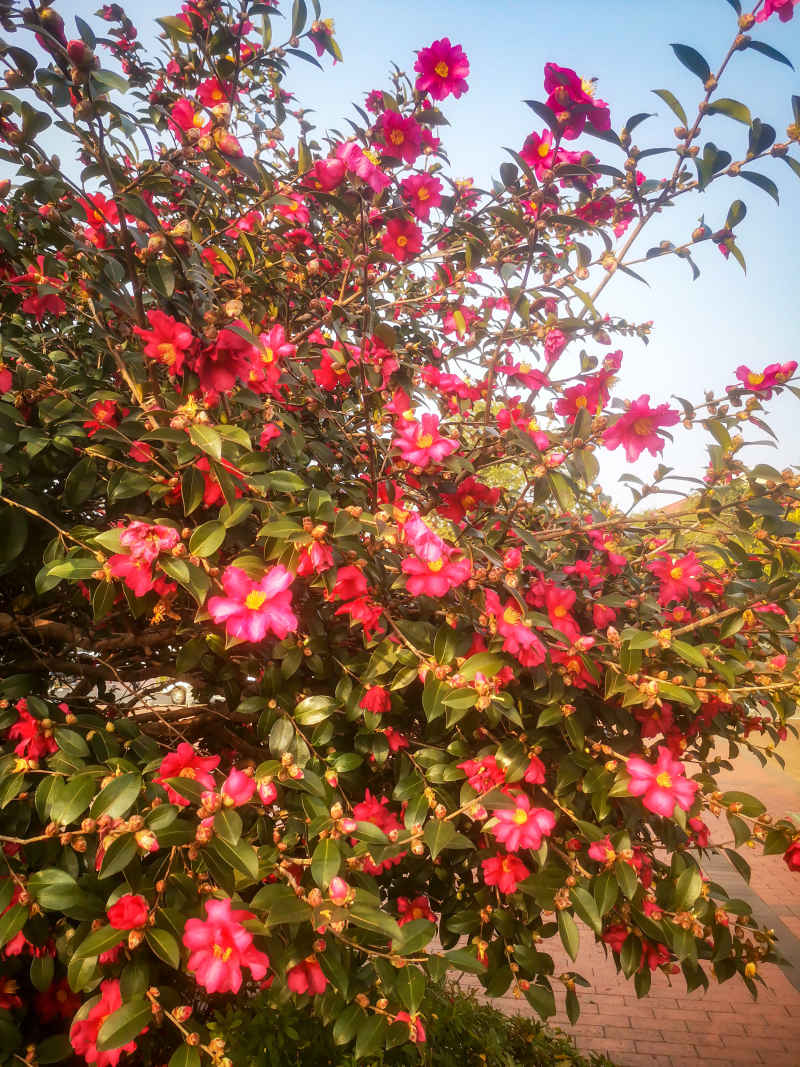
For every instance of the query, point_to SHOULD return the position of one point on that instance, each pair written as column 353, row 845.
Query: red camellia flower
column 661, row 785
column 792, row 856
column 220, row 947
column 416, row 1031
column 129, row 913
column 602, row 851
column 519, row 638
column 506, row 872
column 418, row 908
column 401, row 239
column 104, row 414
column 84, row 1032
column 615, row 936
column 637, row 429
column 184, row 762
column 443, row 69
column 33, row 740
column 306, row 977
column 679, row 577
column 57, row 1002
column 376, row 700
column 167, row 341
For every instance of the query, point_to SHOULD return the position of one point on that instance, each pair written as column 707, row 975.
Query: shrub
column 321, row 639
column 460, row 1031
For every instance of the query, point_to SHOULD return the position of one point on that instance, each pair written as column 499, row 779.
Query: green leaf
column 125, row 1024
column 118, row 796
column 763, row 182
column 410, row 988
column 347, row 1024
column 568, row 931
column 206, row 539
column 374, row 920
column 325, row 862
column 687, row 889
column 13, row 534
column 70, row 742
column 770, row 52
column 672, row 103
column 228, row 825
column 164, row 946
column 414, row 936
column 541, row 999
column 606, row 890
column 207, row 439
column 689, row 654
column 281, row 905
column 72, row 798
column 585, row 906
column 118, row 855
column 741, row 865
column 11, row 922
column 110, row 80
column 693, row 61
column 56, row 890
column 54, row 1049
column 437, row 835
column 241, row 857
column 284, row 482
column 299, row 17
column 192, row 489
column 371, row 1036
column 185, row 1056
column 482, row 662
column 732, row 108
column 99, row 941
column 750, row 805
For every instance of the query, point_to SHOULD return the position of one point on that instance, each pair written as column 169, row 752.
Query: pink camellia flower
column 306, row 977
column 523, row 826
column 435, row 569
column 784, row 9
column 519, row 639
column 83, row 1033
column 212, row 92
column 364, row 166
column 6, row 379
column 558, row 602
column 637, row 428
column 146, row 542
column 401, row 239
column 602, row 851
column 376, row 700
column 442, row 70
column 763, row 382
column 418, row 908
column 572, row 100
column 167, row 341
column 184, row 762
column 535, row 772
column 700, row 832
column 416, row 1031
column 422, row 193
column 220, row 947
column 421, row 443
column 328, row 174
column 791, row 856
column 679, row 577
column 183, row 118
column 661, row 785
column 252, row 609
column 129, row 913
column 401, row 136
column 267, row 791
column 238, row 788
column 554, row 344
column 265, row 370
column 537, row 151
column 506, row 872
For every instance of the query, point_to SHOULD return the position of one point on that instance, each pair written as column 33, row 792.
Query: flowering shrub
column 327, row 665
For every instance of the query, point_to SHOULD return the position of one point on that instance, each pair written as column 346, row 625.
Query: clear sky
column 702, row 330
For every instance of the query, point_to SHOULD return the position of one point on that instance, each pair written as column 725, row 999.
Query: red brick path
column 723, row 1027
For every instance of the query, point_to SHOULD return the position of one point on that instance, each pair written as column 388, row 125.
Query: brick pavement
column 723, row 1027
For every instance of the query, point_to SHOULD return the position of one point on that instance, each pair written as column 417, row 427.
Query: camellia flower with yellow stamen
column 251, row 609
column 662, row 784
column 220, row 947
column 442, row 70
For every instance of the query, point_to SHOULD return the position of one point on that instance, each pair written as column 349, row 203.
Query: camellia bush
column 327, row 665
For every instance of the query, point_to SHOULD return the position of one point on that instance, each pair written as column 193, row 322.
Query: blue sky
column 702, row 330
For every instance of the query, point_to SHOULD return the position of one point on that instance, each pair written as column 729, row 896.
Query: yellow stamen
column 255, row 599
column 442, row 69
column 664, row 780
